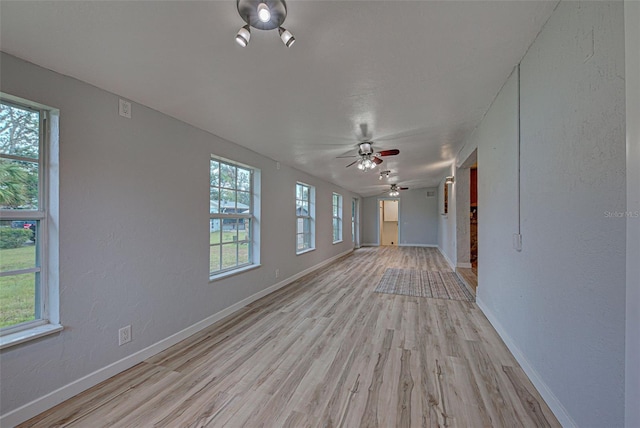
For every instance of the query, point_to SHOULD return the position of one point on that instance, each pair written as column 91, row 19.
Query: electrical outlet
column 277, row 273
column 125, row 109
column 124, row 335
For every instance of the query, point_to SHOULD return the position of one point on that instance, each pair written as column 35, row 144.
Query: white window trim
column 339, row 217
column 47, row 214
column 253, row 241
column 312, row 221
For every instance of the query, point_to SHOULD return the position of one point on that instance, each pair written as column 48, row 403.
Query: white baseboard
column 451, row 264
column 549, row 397
column 418, row 245
column 39, row 405
column 464, row 265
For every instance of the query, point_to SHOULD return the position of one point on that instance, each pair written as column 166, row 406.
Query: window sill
column 233, row 272
column 308, row 250
column 337, row 242
column 23, row 336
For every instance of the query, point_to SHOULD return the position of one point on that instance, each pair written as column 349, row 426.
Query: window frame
column 337, row 213
column 46, row 311
column 249, row 217
column 353, row 220
column 310, row 200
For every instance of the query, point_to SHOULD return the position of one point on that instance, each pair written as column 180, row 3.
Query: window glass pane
column 305, row 193
column 18, row 185
column 227, row 176
column 244, row 227
column 228, row 202
column 243, row 253
column 214, row 258
column 214, row 174
column 304, row 209
column 244, row 202
column 229, row 255
column 298, row 191
column 214, row 231
column 20, row 131
column 229, row 232
column 214, row 200
column 17, row 245
column 300, row 243
column 17, row 299
column 307, row 240
column 307, row 225
column 244, row 179
column 300, row 226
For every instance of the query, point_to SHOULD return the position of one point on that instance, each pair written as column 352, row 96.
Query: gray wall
column 560, row 302
column 133, row 231
column 447, row 240
column 418, row 219
column 632, row 73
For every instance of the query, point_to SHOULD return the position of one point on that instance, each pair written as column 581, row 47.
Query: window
column 337, row 218
column 305, row 212
column 353, row 220
column 232, row 222
column 25, row 292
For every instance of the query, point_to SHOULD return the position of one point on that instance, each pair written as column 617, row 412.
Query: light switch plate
column 125, row 109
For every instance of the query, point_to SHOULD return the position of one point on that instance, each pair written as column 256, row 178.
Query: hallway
column 326, row 351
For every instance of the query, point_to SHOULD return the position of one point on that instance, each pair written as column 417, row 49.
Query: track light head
column 243, row 36
column 264, row 14
column 286, row 36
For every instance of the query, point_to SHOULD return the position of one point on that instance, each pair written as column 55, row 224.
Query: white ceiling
column 417, row 75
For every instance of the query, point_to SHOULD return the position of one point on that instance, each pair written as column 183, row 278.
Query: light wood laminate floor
column 326, row 351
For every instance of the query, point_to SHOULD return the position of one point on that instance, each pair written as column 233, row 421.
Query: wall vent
column 431, row 193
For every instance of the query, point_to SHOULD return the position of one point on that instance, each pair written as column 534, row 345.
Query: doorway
column 388, row 218
column 473, row 217
column 467, row 205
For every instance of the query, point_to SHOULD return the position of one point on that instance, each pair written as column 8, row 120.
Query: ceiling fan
column 395, row 190
column 367, row 157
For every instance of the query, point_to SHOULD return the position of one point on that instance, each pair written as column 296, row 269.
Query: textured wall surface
column 418, row 218
column 463, row 227
column 632, row 73
column 419, row 221
column 447, row 240
column 133, row 231
column 561, row 301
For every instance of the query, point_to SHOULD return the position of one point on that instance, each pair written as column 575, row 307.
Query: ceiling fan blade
column 388, row 152
column 403, row 188
column 378, row 161
column 352, row 163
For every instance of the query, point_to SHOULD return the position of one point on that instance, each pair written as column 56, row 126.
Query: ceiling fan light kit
column 263, row 15
column 368, row 159
column 395, row 190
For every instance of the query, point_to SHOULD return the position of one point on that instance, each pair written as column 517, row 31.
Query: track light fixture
column 384, row 174
column 243, row 36
column 286, row 37
column 263, row 15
